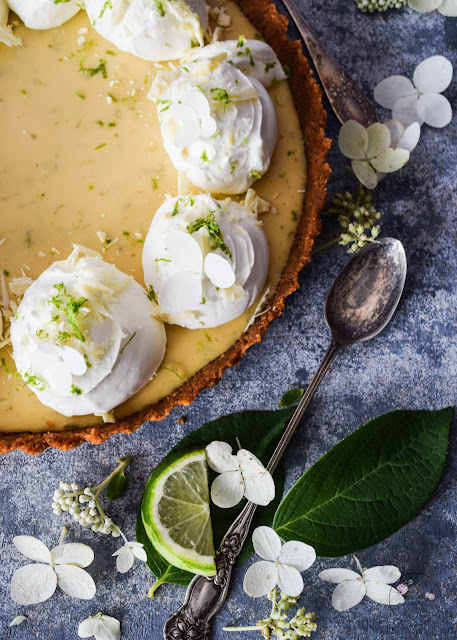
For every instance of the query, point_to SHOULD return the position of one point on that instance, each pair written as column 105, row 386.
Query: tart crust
column 312, row 116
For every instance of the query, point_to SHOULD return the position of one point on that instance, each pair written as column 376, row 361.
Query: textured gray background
column 412, row 365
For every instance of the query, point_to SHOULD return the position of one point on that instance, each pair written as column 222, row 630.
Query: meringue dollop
column 84, row 337
column 150, row 29
column 218, row 122
column 44, row 14
column 205, row 261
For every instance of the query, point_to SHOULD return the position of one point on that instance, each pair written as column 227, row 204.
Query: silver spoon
column 359, row 305
column 346, row 99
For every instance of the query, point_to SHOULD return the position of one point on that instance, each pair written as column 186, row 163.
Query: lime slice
column 176, row 515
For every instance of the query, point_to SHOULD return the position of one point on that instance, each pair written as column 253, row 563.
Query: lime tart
column 155, row 214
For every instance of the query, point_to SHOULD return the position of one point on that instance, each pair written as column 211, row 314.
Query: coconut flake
column 219, row 271
column 185, row 251
column 181, row 292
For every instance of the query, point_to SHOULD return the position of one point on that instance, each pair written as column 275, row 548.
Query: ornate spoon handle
column 205, row 596
column 347, row 100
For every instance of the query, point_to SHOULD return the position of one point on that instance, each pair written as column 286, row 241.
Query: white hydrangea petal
column 87, row 627
column 353, row 140
column 433, row 75
column 140, row 553
column 75, row 581
column 17, row 620
column 185, row 251
column 390, row 160
column 448, row 8
column 289, row 580
column 181, row 292
column 219, row 271
column 365, row 173
column 435, row 110
column 424, row 6
column 347, row 594
column 73, row 553
column 387, row 574
column 383, row 593
column 378, row 139
column 410, row 137
column 33, row 583
column 297, row 554
column 219, row 457
column 397, row 129
column 259, row 486
column 227, row 489
column 110, row 629
column 32, row 548
column 388, row 91
column 405, row 110
column 125, row 559
column 337, row 575
column 260, row 579
column 267, row 543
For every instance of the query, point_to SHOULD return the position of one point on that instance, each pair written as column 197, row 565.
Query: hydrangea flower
column 369, row 6
column 61, row 566
column 446, row 7
column 126, row 555
column 352, row 587
column 281, row 565
column 370, row 151
column 101, row 627
column 240, row 475
column 421, row 100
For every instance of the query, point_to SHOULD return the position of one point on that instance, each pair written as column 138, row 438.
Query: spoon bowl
column 366, row 292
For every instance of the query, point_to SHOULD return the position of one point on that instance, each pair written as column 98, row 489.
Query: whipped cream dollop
column 218, row 121
column 44, row 14
column 150, row 29
column 6, row 30
column 84, row 337
column 205, row 261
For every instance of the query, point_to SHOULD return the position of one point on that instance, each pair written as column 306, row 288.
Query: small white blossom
column 353, row 587
column 101, row 627
column 370, row 151
column 126, row 555
column 61, row 566
column 281, row 565
column 17, row 620
column 240, row 475
column 445, row 7
column 421, row 100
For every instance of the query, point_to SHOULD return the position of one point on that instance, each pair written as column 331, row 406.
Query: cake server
column 346, row 99
column 359, row 305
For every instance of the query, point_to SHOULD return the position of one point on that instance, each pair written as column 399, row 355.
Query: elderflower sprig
column 84, row 505
column 358, row 220
column 370, row 6
column 278, row 625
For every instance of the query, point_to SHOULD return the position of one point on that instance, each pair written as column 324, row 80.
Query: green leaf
column 291, row 397
column 258, row 432
column 368, row 485
column 116, row 486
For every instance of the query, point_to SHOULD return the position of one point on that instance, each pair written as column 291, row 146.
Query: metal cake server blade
column 346, row 99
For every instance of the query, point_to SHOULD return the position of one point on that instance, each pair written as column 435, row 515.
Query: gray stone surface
column 413, row 364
